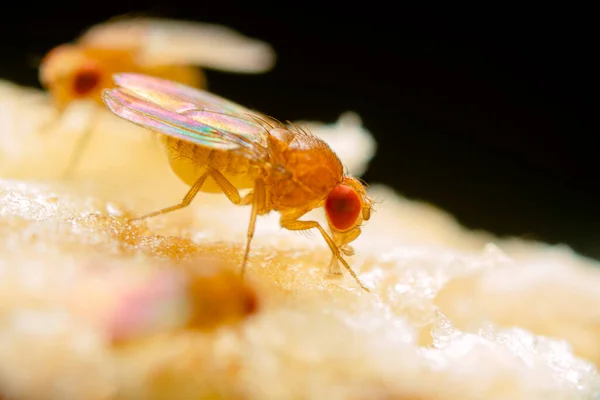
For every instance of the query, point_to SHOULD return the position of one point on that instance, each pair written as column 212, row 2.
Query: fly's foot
column 334, row 274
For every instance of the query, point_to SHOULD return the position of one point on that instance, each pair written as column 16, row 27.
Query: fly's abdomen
column 190, row 162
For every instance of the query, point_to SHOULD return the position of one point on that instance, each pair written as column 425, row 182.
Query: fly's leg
column 80, row 146
column 259, row 202
column 334, row 266
column 184, row 203
column 293, row 224
column 257, row 198
column 341, row 240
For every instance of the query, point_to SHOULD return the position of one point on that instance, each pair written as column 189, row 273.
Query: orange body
column 301, row 173
column 310, row 169
column 215, row 145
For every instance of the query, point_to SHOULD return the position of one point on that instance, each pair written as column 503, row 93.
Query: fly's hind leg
column 184, row 203
column 257, row 198
column 292, row 223
column 230, row 191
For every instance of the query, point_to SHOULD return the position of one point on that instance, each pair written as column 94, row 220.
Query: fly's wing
column 149, row 87
column 171, row 42
column 188, row 114
column 119, row 33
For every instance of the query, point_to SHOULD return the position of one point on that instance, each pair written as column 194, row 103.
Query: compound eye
column 343, row 207
column 85, row 81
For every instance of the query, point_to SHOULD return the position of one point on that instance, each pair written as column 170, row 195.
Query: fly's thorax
column 189, row 162
column 304, row 170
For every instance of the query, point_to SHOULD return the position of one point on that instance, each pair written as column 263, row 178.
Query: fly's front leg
column 292, row 223
column 341, row 240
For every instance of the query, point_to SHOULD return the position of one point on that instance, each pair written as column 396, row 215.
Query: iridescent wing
column 188, row 114
column 147, row 86
column 173, row 42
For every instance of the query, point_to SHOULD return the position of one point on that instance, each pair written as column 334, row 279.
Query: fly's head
column 69, row 74
column 347, row 206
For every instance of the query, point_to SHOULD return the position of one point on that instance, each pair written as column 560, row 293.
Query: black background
column 488, row 113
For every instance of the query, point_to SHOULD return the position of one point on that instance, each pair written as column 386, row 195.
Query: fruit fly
column 199, row 295
column 163, row 48
column 215, row 145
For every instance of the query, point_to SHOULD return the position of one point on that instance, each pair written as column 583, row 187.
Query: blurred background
column 485, row 113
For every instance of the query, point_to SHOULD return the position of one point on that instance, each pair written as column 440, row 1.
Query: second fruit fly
column 157, row 47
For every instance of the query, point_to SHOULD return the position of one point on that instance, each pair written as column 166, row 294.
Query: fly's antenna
column 375, row 201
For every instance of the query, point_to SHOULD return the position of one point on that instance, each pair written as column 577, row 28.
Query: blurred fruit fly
column 287, row 169
column 168, row 49
column 201, row 295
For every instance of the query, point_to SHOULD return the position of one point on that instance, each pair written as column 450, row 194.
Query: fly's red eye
column 342, row 207
column 85, row 81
